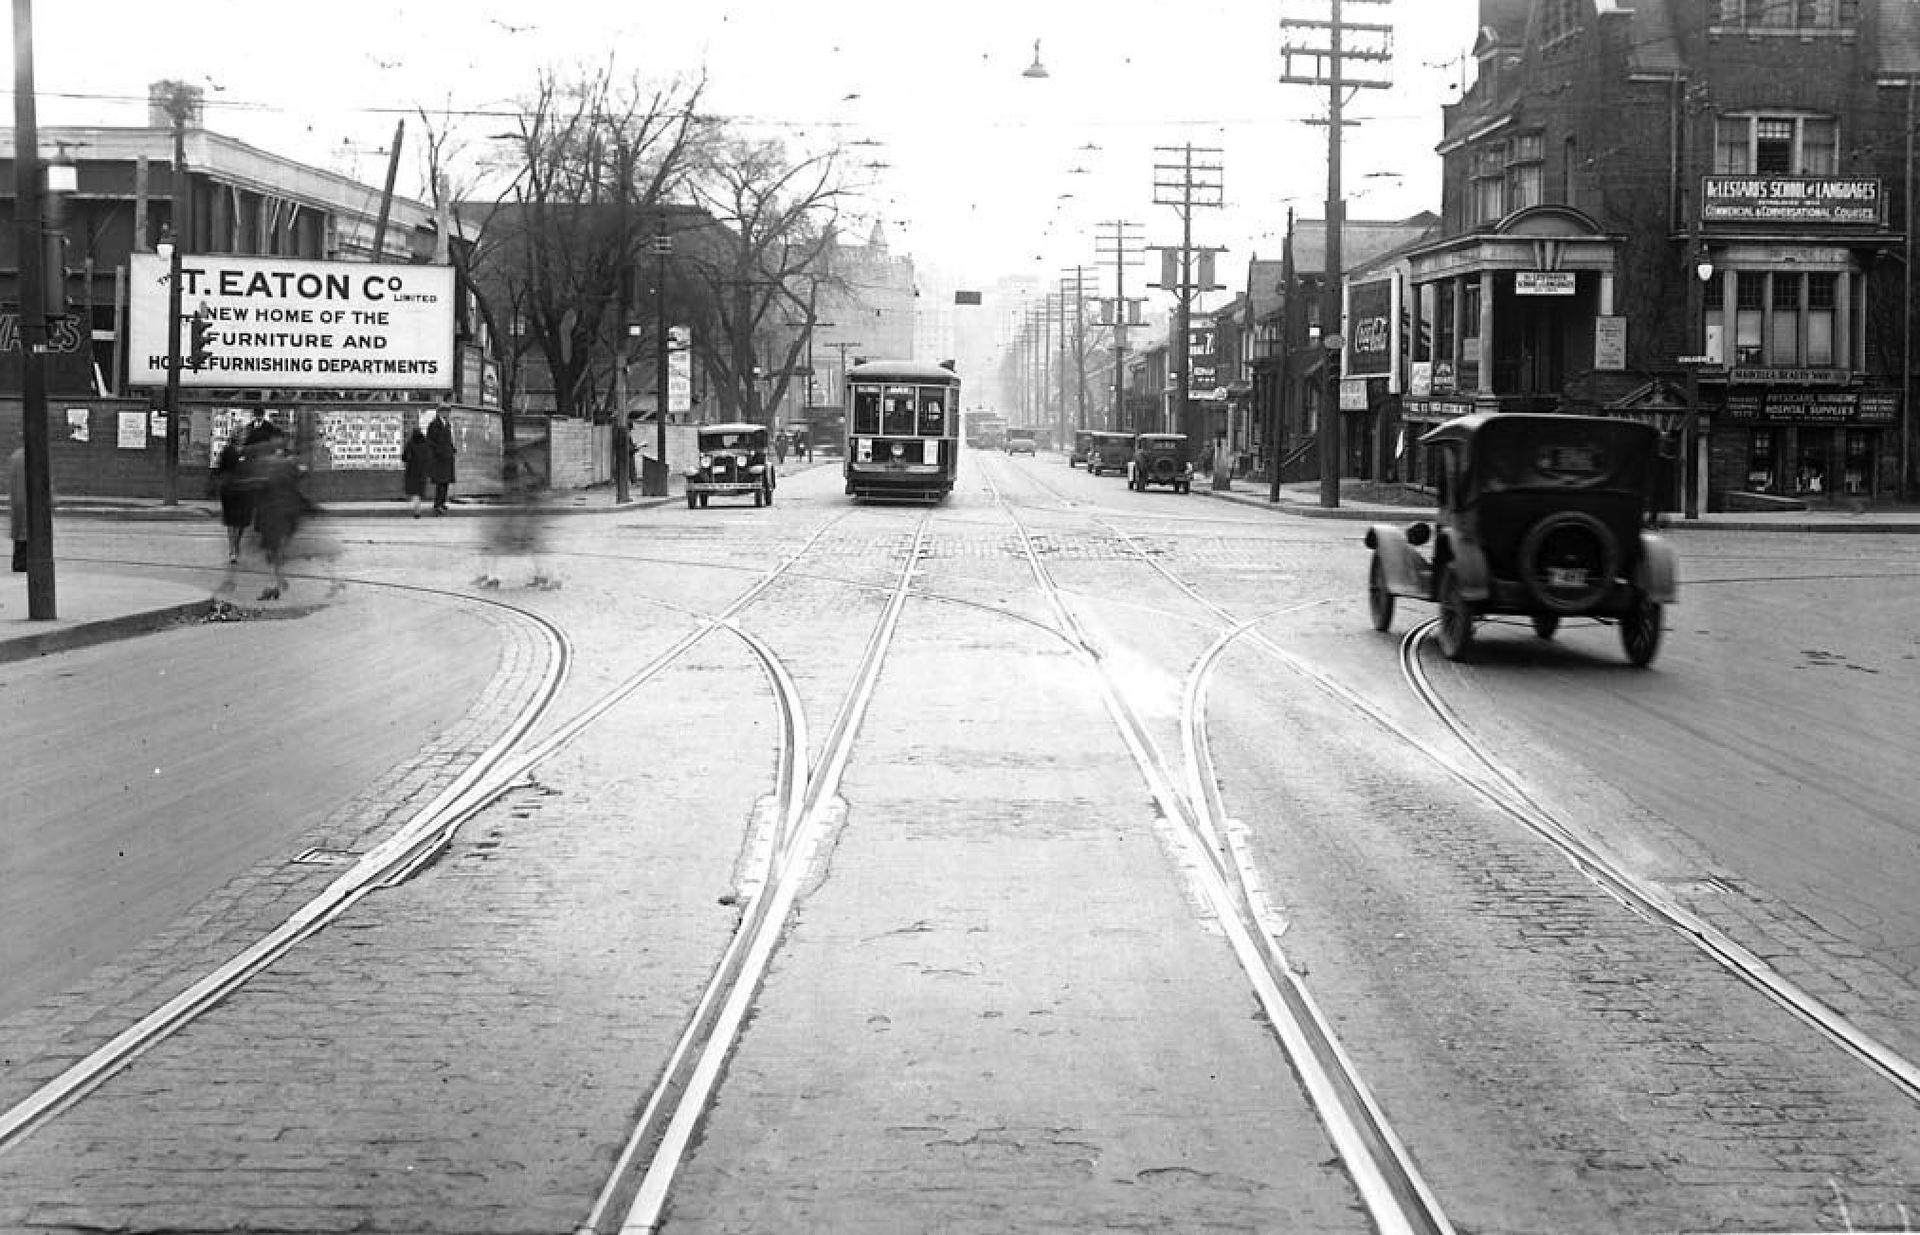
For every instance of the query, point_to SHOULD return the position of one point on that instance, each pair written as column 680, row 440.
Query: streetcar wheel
column 1640, row 630
column 1545, row 624
column 1456, row 617
column 1379, row 599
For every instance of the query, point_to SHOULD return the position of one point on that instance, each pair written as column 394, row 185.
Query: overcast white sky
column 986, row 172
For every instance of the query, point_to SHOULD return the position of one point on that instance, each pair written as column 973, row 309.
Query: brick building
column 1691, row 211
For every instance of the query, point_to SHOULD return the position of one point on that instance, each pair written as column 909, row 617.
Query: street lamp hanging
column 1036, row 69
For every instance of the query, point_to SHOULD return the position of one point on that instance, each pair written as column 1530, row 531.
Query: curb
column 106, row 630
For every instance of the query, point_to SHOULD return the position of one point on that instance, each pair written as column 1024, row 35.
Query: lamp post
column 1701, row 265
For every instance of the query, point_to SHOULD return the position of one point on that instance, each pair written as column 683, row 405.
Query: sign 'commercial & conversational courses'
column 292, row 323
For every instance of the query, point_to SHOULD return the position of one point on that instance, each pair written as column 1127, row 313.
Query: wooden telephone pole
column 1340, row 55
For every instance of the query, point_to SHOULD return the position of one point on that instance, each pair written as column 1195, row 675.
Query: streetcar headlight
column 899, row 450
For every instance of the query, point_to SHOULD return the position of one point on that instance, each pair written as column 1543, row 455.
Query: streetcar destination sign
column 292, row 323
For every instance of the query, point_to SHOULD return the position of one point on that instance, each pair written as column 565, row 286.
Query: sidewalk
column 1303, row 500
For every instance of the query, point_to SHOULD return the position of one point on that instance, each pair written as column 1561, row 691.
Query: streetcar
column 903, row 420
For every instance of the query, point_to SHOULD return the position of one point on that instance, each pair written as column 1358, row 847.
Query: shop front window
column 1782, row 319
column 1859, row 461
column 1760, row 460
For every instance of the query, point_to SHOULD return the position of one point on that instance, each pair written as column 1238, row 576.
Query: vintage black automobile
column 1109, row 452
column 1161, row 459
column 1082, row 445
column 1541, row 515
column 732, row 463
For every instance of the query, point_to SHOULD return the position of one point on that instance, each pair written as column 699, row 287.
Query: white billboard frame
column 295, row 323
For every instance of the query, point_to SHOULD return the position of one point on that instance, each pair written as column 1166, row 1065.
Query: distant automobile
column 1021, row 442
column 1541, row 515
column 732, row 463
column 1109, row 452
column 1082, row 447
column 1161, row 459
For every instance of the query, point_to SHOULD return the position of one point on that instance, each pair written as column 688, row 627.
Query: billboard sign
column 291, row 323
column 1791, row 199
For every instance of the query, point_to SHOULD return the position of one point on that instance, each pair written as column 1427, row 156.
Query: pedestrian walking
column 17, row 503
column 260, row 431
column 416, row 460
column 279, row 506
column 521, row 531
column 230, row 483
column 440, row 469
column 779, row 448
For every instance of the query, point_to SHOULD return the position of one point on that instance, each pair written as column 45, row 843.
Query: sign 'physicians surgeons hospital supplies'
column 288, row 323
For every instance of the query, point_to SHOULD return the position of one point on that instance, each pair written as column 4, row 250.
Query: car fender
column 1405, row 567
column 1659, row 571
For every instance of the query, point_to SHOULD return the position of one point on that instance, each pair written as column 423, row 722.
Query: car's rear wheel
column 759, row 498
column 1568, row 560
column 1545, row 624
column 1456, row 617
column 1379, row 599
column 769, row 495
column 693, row 500
column 1640, row 630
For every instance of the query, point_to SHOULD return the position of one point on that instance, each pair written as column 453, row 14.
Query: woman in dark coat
column 440, row 440
column 235, row 490
column 416, row 457
column 279, row 504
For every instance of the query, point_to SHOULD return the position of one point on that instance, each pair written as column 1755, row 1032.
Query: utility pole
column 1079, row 285
column 27, row 171
column 1289, row 314
column 842, row 346
column 178, row 101
column 1198, row 185
column 1122, row 244
column 658, row 484
column 1319, row 53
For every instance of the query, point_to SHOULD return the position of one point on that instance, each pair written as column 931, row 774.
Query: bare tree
column 756, row 296
column 598, row 164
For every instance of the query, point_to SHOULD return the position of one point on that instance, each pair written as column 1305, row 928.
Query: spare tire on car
column 1568, row 561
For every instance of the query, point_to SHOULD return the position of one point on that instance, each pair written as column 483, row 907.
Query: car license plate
column 1566, row 576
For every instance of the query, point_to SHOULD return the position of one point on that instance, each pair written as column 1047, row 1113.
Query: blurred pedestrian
column 229, row 481
column 17, row 503
column 520, row 532
column 440, row 469
column 260, row 431
column 416, row 458
column 779, row 448
column 279, row 506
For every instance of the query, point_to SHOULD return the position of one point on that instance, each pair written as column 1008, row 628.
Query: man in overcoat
column 440, row 469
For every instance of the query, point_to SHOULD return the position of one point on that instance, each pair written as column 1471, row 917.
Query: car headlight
column 706, row 461
column 898, row 450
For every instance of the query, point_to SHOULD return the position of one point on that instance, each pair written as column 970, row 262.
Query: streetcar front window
column 933, row 416
column 896, row 417
column 866, row 412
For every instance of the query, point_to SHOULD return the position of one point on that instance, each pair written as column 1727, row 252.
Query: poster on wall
column 79, row 426
column 133, row 431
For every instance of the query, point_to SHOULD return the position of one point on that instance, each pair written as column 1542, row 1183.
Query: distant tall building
column 870, row 316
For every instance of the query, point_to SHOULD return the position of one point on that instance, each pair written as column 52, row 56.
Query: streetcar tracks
column 409, row 849
column 1395, row 1196
column 1486, row 776
column 676, row 1105
column 1509, row 795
